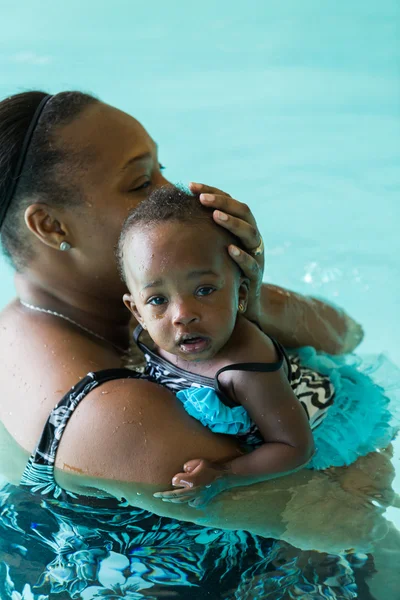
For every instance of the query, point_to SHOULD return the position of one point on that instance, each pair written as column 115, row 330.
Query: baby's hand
column 201, row 481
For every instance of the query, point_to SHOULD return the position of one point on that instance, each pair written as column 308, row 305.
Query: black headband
column 9, row 194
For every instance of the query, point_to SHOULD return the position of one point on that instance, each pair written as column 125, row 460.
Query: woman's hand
column 197, row 485
column 238, row 219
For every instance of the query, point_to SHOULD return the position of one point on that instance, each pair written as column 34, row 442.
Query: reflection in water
column 131, row 554
column 53, row 550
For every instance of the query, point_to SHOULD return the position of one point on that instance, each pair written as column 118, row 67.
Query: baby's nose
column 184, row 315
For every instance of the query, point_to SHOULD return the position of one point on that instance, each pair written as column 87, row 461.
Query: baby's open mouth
column 193, row 343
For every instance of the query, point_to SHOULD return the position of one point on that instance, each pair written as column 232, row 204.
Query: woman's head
column 184, row 287
column 43, row 175
column 87, row 165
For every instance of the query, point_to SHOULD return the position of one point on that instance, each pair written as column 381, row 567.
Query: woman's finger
column 248, row 234
column 202, row 188
column 229, row 205
column 177, row 500
column 181, row 493
column 248, row 264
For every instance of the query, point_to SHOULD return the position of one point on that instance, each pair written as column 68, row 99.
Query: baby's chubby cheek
column 158, row 329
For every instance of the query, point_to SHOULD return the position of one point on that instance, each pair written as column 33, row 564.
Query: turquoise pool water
column 292, row 107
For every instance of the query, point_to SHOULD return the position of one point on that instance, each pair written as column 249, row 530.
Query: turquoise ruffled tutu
column 364, row 417
column 365, row 413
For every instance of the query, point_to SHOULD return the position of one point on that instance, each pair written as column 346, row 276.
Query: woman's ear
column 243, row 295
column 41, row 221
column 131, row 306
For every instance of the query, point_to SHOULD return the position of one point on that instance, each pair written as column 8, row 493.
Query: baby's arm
column 274, row 408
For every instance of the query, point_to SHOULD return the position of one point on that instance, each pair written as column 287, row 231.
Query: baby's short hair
column 166, row 203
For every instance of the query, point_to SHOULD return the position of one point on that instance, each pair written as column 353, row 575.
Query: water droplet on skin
column 104, row 393
column 138, row 494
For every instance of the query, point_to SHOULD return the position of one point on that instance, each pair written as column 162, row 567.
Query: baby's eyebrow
column 154, row 283
column 198, row 273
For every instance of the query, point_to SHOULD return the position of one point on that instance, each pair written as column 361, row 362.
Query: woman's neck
column 108, row 318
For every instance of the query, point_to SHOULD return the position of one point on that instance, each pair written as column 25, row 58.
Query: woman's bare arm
column 135, row 430
column 297, row 320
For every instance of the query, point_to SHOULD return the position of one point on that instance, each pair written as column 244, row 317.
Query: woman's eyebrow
column 141, row 157
column 136, row 159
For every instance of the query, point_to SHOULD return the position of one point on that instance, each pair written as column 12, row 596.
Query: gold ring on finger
column 259, row 250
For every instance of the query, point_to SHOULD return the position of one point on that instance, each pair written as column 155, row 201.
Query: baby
column 189, row 295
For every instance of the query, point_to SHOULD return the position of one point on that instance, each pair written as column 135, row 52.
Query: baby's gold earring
column 241, row 307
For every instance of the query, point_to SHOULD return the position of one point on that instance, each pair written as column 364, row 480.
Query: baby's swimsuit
column 346, row 410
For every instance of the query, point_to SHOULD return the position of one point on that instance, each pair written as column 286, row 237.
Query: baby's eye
column 156, row 300
column 205, row 290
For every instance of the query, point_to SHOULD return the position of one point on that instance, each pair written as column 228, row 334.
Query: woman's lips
column 194, row 344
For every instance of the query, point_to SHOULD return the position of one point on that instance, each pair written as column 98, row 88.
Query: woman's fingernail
column 234, row 251
column 175, row 481
column 207, row 197
column 222, row 216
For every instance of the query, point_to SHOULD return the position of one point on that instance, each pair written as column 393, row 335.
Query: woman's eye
column 156, row 300
column 144, row 185
column 205, row 290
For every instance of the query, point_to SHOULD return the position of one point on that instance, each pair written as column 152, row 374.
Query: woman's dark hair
column 166, row 203
column 46, row 174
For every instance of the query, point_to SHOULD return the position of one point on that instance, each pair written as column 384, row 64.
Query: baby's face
column 184, row 287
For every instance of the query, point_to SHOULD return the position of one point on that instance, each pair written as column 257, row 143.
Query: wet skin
column 42, row 357
column 185, row 288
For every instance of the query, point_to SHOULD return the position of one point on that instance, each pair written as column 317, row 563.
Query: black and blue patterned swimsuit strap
column 39, row 472
column 154, row 359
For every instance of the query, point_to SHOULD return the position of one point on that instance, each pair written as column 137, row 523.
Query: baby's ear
column 131, row 306
column 243, row 293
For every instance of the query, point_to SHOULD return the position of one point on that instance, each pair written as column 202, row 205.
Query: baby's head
column 184, row 287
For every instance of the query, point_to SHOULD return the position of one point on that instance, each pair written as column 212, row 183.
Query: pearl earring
column 64, row 246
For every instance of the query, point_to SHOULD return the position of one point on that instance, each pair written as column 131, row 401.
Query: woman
column 71, row 168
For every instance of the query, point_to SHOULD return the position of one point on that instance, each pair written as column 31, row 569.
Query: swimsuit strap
column 38, row 475
column 206, row 381
column 255, row 367
column 136, row 335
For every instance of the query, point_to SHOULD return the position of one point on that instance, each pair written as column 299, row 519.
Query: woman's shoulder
column 40, row 360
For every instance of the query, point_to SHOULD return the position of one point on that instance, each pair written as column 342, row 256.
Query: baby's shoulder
column 249, row 344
